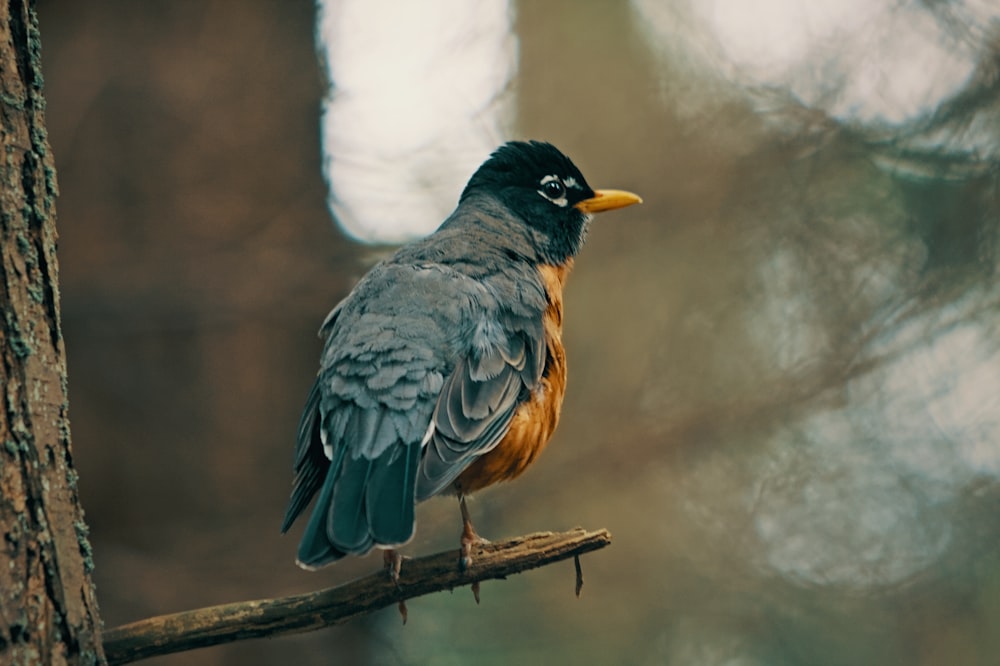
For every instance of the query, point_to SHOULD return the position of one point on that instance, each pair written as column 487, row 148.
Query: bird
column 443, row 370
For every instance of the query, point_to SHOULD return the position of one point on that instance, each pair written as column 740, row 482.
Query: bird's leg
column 469, row 539
column 393, row 563
column 469, row 536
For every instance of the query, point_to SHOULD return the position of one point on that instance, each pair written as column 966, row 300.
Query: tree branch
column 203, row 627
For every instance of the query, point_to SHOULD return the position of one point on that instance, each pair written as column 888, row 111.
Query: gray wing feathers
column 368, row 412
column 479, row 399
column 411, row 346
column 310, row 462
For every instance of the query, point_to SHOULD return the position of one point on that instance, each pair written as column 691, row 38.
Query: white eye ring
column 554, row 190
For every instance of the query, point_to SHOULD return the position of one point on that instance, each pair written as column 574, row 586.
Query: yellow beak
column 608, row 200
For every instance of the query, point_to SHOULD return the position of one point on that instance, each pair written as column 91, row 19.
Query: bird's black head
column 541, row 187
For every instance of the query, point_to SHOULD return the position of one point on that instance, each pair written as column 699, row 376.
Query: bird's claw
column 393, row 563
column 469, row 540
column 402, row 610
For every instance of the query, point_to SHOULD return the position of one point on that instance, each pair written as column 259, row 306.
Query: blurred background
column 784, row 394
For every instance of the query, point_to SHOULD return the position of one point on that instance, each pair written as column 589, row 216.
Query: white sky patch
column 858, row 59
column 882, row 61
column 858, row 490
column 832, row 512
column 854, row 495
column 417, row 102
column 944, row 393
column 785, row 325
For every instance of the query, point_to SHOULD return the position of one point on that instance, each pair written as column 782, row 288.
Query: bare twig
column 202, row 627
column 579, row 575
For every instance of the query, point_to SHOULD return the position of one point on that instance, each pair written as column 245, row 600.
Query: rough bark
column 48, row 610
column 214, row 625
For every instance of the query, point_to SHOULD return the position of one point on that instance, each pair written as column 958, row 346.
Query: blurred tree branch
column 188, row 630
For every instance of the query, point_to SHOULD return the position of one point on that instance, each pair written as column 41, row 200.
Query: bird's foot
column 393, row 563
column 469, row 541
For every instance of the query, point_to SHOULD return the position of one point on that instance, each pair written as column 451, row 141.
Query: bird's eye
column 554, row 189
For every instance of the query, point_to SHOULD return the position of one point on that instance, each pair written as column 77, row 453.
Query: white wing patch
column 327, row 448
column 427, row 435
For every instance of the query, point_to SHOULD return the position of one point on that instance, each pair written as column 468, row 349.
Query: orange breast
column 535, row 420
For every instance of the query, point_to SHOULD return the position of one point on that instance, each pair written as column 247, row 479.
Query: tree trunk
column 48, row 611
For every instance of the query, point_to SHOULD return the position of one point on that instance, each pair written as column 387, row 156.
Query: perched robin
column 444, row 369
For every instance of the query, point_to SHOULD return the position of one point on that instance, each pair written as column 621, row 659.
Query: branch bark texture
column 305, row 612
